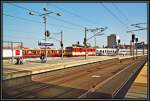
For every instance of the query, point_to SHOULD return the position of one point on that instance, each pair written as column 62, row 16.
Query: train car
column 106, row 51
column 113, row 51
column 9, row 53
column 37, row 52
column 79, row 51
column 69, row 52
column 124, row 52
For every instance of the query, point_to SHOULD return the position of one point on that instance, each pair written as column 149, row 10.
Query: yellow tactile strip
column 139, row 87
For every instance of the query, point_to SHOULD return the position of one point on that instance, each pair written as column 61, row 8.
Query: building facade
column 111, row 41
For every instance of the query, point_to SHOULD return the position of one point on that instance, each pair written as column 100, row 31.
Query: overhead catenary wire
column 135, row 25
column 29, row 20
column 74, row 14
column 77, row 25
column 124, row 24
column 28, row 32
column 120, row 12
column 118, row 9
column 23, row 8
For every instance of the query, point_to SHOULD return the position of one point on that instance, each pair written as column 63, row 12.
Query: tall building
column 111, row 41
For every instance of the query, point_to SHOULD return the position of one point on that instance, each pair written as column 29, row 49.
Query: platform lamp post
column 136, row 40
column 61, row 44
column 45, row 16
column 96, row 34
column 85, row 44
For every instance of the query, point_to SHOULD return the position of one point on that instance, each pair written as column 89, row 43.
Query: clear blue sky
column 88, row 15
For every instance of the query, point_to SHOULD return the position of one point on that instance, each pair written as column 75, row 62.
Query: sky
column 19, row 26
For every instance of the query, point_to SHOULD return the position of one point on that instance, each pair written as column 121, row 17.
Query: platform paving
column 139, row 89
column 34, row 66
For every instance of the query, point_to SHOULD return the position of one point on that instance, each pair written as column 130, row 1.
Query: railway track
column 69, row 83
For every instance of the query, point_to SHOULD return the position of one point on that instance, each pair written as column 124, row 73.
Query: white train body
column 106, row 51
column 8, row 53
column 113, row 51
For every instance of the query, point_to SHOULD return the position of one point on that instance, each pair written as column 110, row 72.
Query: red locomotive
column 79, row 51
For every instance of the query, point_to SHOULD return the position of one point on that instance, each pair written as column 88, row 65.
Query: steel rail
column 104, row 82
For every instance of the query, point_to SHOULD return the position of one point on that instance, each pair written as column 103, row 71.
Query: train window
column 29, row 51
column 48, row 51
column 80, row 49
column 33, row 51
column 51, row 51
column 23, row 52
column 26, row 51
column 68, row 48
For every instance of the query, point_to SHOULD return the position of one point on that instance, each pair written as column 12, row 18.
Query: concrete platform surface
column 34, row 66
column 140, row 86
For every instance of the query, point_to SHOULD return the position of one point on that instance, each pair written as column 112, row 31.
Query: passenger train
column 114, row 51
column 71, row 51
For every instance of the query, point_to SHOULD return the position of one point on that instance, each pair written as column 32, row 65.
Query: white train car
column 9, row 53
column 106, row 51
column 124, row 51
column 114, row 51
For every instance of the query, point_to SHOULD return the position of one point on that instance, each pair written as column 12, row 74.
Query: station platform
column 34, row 66
column 140, row 86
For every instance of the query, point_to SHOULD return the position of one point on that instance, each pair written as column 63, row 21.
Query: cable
column 37, row 21
column 49, row 16
column 24, row 8
column 114, row 15
column 76, row 15
column 21, row 18
column 116, row 7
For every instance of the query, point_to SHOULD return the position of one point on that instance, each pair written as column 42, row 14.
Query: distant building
column 139, row 46
column 111, row 41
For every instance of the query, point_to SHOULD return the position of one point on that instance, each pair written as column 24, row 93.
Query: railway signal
column 118, row 41
column 47, row 33
column 133, row 37
column 136, row 40
column 118, row 49
column 137, row 25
